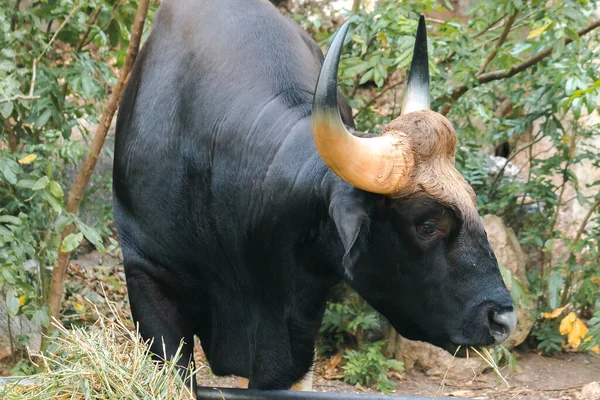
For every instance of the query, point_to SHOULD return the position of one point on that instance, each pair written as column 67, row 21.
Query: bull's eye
column 428, row 228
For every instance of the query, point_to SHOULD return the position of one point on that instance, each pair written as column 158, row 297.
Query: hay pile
column 104, row 361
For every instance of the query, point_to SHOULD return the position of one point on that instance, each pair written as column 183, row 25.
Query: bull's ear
column 351, row 220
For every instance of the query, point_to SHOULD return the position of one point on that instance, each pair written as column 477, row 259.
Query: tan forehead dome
column 430, row 133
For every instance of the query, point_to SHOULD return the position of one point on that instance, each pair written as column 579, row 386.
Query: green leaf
column 6, row 273
column 357, row 39
column 558, row 48
column 571, row 34
column 90, row 234
column 63, row 221
column 8, row 173
column 87, row 84
column 395, row 364
column 555, row 284
column 7, row 233
column 55, row 189
column 41, row 317
column 12, row 302
column 41, row 183
column 71, row 242
column 26, row 183
column 43, row 118
column 8, row 53
column 6, row 109
column 367, row 76
column 537, row 32
column 581, row 199
column 10, row 219
column 7, row 66
column 114, row 33
column 54, row 203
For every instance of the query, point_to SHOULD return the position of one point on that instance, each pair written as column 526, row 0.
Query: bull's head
column 415, row 246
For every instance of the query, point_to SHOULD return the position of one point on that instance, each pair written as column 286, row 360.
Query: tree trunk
column 83, row 177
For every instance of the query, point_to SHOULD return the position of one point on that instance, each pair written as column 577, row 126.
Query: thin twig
column 586, row 219
column 502, row 74
column 509, row 159
column 106, row 25
column 374, row 99
column 60, row 28
column 501, row 40
column 518, row 24
column 19, row 97
column 30, row 96
column 83, row 177
column 487, row 28
column 93, row 20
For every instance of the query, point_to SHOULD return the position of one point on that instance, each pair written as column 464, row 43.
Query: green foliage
column 549, row 340
column 547, row 101
column 370, row 365
column 347, row 322
column 57, row 65
column 593, row 337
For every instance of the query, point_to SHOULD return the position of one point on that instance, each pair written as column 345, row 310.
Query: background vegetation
column 511, row 75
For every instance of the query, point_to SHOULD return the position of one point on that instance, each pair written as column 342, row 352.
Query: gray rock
column 591, row 391
column 495, row 163
column 508, row 251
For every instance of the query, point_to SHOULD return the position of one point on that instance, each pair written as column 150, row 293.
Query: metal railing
column 253, row 394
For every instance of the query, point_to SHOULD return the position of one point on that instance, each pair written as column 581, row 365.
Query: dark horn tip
column 326, row 90
column 417, row 88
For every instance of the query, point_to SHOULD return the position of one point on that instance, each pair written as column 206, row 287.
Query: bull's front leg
column 304, row 385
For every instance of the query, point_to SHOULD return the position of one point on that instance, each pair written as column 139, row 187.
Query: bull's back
column 216, row 91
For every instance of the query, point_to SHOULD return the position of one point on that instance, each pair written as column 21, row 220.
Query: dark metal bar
column 253, row 394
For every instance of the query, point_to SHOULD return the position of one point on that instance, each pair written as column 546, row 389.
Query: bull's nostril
column 502, row 324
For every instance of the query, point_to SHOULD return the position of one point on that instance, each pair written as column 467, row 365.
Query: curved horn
column 377, row 165
column 417, row 89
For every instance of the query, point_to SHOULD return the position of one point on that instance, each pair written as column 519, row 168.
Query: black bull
column 232, row 226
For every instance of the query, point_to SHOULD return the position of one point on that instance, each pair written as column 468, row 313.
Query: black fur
column 234, row 230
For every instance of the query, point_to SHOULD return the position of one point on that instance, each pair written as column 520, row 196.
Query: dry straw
column 484, row 354
column 108, row 361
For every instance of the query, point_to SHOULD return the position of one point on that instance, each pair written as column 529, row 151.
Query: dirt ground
column 541, row 378
column 560, row 377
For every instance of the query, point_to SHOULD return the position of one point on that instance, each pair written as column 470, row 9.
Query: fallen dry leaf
column 554, row 313
column 28, row 159
column 334, row 361
column 575, row 330
column 360, row 387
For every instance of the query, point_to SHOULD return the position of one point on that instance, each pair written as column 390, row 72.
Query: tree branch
column 60, row 28
column 487, row 28
column 503, row 74
column 586, row 219
column 83, row 177
column 30, row 96
column 501, row 40
column 93, row 20
column 377, row 97
column 19, row 97
column 509, row 159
